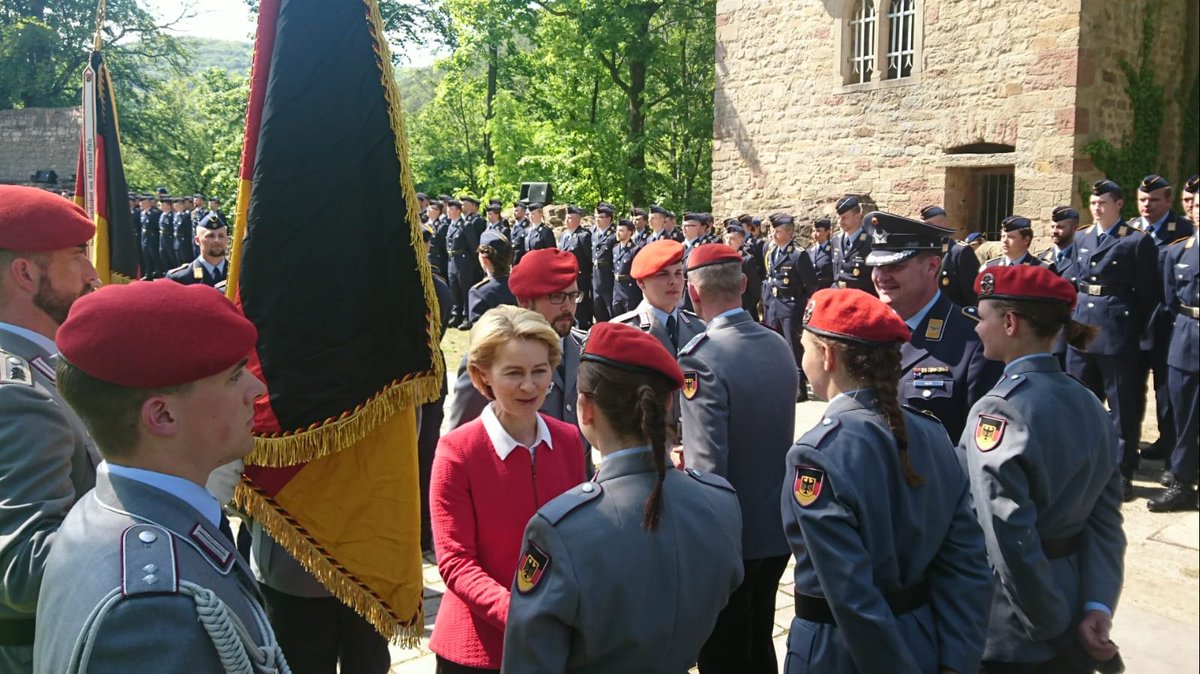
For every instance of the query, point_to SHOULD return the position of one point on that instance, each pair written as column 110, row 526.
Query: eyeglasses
column 559, row 298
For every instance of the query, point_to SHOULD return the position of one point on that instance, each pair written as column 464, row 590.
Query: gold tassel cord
column 287, row 532
column 332, row 435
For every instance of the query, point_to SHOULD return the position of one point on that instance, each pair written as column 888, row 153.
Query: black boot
column 1179, row 496
column 1126, row 485
column 1166, row 478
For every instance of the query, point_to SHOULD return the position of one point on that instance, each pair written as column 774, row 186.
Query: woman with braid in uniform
column 626, row 573
column 891, row 570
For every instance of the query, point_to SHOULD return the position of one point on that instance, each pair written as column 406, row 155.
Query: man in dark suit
column 1163, row 227
column 1016, row 233
column 210, row 267
column 943, row 370
column 960, row 265
column 738, row 422
column 1061, row 259
column 851, row 246
column 821, row 253
column 1119, row 288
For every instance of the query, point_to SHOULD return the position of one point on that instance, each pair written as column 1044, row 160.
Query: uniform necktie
column 226, row 529
column 218, row 274
column 673, row 329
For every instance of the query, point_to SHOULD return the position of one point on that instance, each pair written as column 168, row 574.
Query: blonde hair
column 501, row 325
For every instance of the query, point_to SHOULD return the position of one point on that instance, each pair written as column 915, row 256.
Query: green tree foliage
column 186, row 134
column 606, row 101
column 44, row 47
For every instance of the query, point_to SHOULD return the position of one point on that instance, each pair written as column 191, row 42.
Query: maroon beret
column 629, row 348
column 853, row 315
column 711, row 253
column 543, row 271
column 155, row 334
column 36, row 221
column 1026, row 283
column 654, row 257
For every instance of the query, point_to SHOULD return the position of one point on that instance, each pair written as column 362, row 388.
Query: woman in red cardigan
column 489, row 477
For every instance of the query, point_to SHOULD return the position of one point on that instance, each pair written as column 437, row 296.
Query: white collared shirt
column 212, row 268
column 185, row 490
column 43, row 342
column 503, row 442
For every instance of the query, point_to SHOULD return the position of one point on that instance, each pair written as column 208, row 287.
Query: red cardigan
column 479, row 506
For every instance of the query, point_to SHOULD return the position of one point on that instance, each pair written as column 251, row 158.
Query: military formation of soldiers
column 1008, row 559
column 171, row 233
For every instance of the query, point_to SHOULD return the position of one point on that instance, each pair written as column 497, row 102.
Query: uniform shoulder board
column 481, row 283
column 971, row 313
column 1084, row 229
column 14, row 370
column 710, row 479
column 689, row 316
column 628, row 318
column 179, row 268
column 693, row 344
column 1182, row 239
column 580, row 336
column 994, row 259
column 1047, row 255
column 148, row 563
column 924, row 413
column 816, row 435
column 569, row 501
column 1006, row 386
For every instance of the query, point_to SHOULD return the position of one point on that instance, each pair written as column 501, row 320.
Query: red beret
column 853, row 315
column 543, row 271
column 654, row 257
column 628, row 348
column 155, row 334
column 711, row 253
column 36, row 221
column 1024, row 282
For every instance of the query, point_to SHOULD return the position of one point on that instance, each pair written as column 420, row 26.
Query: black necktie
column 673, row 329
column 226, row 529
column 218, row 275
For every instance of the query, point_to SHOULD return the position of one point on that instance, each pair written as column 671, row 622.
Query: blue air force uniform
column 152, row 266
column 1157, row 338
column 462, row 242
column 1041, row 455
column 199, row 271
column 889, row 578
column 603, row 241
column 538, row 236
column 1119, row 287
column 789, row 282
column 1062, row 262
column 960, row 266
column 489, row 293
column 579, row 244
column 1181, row 276
column 517, row 235
column 166, row 241
column 821, row 255
column 594, row 592
column 181, row 238
column 626, row 293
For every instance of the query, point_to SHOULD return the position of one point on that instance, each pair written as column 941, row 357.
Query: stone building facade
column 37, row 139
column 982, row 106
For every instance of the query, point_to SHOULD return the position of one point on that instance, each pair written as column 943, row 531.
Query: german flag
column 100, row 186
column 330, row 267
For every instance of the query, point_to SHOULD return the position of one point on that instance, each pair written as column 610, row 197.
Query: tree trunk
column 489, row 156
column 635, row 158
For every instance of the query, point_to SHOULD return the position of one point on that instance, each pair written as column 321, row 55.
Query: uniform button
column 147, row 537
column 588, row 487
column 1091, row 305
column 927, row 393
column 1015, row 376
column 826, row 421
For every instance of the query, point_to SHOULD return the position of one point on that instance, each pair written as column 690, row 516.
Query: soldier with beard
column 47, row 459
column 210, row 267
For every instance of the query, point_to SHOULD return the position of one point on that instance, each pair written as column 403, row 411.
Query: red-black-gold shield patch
column 808, row 484
column 989, row 431
column 533, row 566
column 691, row 385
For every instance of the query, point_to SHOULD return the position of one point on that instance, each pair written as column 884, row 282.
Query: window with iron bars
column 882, row 45
column 862, row 38
column 901, row 50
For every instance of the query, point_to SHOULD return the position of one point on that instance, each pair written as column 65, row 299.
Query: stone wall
column 39, row 138
column 788, row 134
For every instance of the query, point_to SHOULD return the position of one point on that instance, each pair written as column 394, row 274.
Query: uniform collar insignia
column 221, row 557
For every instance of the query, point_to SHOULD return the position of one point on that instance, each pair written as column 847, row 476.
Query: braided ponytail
column 651, row 416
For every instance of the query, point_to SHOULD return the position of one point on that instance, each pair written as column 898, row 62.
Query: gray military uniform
column 1048, row 495
column 594, row 592
column 139, row 580
column 689, row 326
column 863, row 538
column 739, row 420
column 47, row 461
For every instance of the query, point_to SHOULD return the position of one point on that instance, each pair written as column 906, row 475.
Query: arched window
column 862, row 40
column 901, row 50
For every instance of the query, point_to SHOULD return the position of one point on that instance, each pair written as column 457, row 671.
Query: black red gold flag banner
column 329, row 265
column 100, row 186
